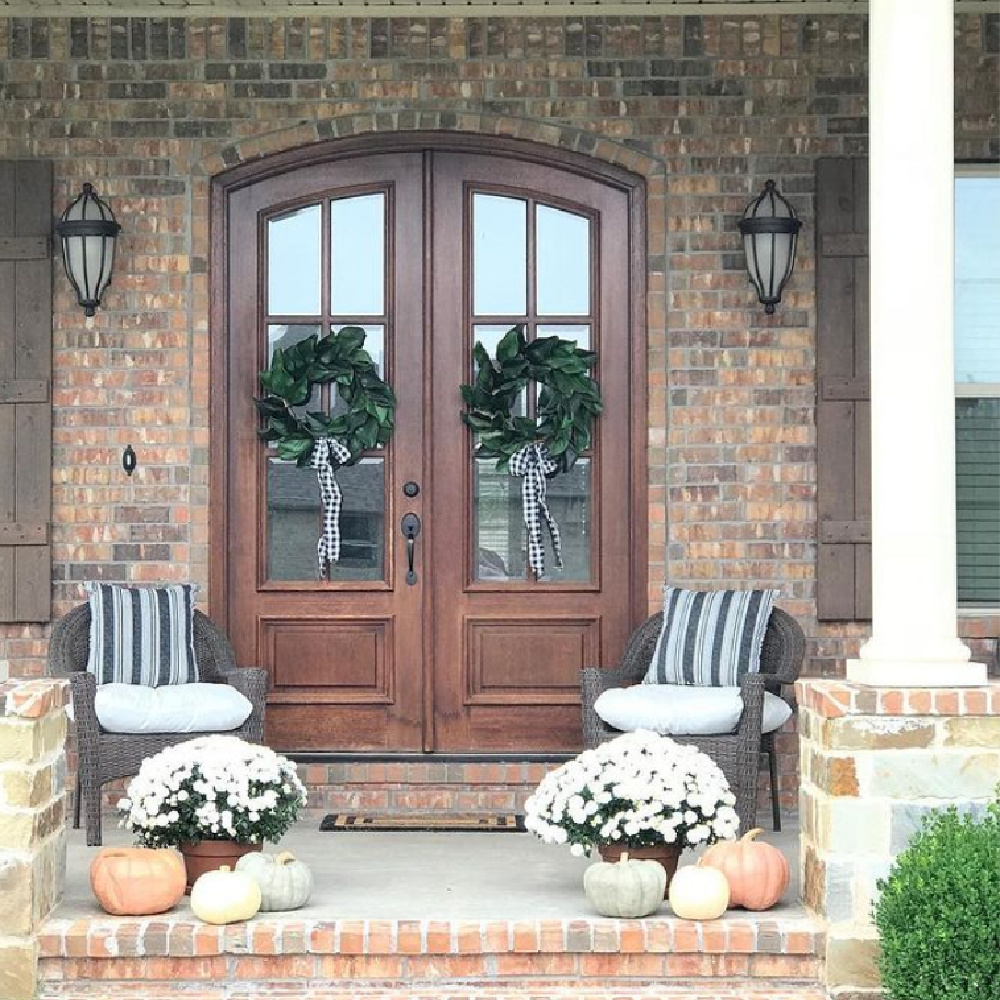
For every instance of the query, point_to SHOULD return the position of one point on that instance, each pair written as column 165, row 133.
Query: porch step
column 592, row 990
column 444, row 787
column 736, row 954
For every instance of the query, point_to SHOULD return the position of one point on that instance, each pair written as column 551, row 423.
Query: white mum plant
column 212, row 788
column 639, row 790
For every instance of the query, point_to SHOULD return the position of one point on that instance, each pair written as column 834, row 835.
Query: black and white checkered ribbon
column 533, row 463
column 327, row 455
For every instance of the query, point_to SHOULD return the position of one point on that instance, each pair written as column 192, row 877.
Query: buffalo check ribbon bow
column 533, row 463
column 328, row 455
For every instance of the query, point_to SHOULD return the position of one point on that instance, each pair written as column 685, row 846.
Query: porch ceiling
column 480, row 8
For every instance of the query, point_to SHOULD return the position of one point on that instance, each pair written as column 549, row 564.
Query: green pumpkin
column 285, row 884
column 625, row 888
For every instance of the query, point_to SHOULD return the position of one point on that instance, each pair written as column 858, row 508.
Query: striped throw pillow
column 710, row 638
column 142, row 635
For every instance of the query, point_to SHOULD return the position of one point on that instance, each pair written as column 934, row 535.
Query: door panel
column 492, row 620
column 343, row 653
column 429, row 251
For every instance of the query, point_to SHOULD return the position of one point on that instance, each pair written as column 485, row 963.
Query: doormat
column 422, row 823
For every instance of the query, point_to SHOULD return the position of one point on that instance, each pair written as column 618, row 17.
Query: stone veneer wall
column 147, row 108
column 32, row 824
column 873, row 762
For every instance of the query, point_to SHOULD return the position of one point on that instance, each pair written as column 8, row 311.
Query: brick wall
column 144, row 107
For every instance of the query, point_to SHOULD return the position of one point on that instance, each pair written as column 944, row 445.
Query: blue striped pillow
column 710, row 638
column 142, row 635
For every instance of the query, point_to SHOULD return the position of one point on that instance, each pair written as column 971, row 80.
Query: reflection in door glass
column 498, row 527
column 500, row 255
column 284, row 337
column 563, row 262
column 358, row 255
column 569, row 500
column 293, row 263
column 295, row 518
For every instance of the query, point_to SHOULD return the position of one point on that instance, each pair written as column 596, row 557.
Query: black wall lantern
column 88, row 232
column 770, row 231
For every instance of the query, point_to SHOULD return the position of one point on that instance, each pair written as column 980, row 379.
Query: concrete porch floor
column 425, row 876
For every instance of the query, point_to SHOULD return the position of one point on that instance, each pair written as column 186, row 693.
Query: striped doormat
column 422, row 823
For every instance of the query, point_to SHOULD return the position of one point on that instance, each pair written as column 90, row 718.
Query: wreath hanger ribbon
column 327, row 455
column 533, row 462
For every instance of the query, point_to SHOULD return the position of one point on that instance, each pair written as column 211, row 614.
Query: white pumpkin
column 697, row 892
column 625, row 888
column 285, row 884
column 225, row 897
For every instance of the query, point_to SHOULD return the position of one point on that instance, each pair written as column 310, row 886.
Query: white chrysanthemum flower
column 641, row 788
column 213, row 785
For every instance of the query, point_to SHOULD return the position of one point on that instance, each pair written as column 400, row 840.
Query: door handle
column 410, row 526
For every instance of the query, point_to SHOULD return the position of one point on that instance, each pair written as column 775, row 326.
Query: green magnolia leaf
column 298, row 394
column 350, row 338
column 510, row 345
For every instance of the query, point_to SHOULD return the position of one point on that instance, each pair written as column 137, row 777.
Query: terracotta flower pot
column 202, row 856
column 668, row 855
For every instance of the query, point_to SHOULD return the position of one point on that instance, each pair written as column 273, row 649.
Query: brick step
column 527, row 990
column 440, row 952
column 468, row 788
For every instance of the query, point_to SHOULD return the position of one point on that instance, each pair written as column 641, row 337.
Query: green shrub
column 939, row 915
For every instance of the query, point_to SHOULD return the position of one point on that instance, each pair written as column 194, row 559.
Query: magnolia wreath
column 533, row 448
column 321, row 440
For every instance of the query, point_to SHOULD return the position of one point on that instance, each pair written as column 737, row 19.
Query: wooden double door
column 445, row 641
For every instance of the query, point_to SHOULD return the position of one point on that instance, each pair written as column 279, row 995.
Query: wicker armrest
column 253, row 684
column 83, row 686
column 601, row 680
column 593, row 682
column 752, row 718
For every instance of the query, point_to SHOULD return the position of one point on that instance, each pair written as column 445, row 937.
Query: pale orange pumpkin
column 137, row 881
column 757, row 873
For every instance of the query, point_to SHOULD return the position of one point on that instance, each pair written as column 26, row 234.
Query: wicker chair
column 737, row 753
column 105, row 756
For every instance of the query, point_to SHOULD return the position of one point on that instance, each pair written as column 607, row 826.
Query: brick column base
column 874, row 761
column 32, row 824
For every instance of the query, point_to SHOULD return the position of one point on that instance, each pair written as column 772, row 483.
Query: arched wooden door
column 429, row 246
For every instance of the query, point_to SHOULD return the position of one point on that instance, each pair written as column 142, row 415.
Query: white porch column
column 914, row 599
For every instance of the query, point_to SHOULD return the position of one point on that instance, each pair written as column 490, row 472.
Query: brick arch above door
column 534, row 140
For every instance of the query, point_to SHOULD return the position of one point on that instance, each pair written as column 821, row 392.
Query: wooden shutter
column 25, row 376
column 843, row 565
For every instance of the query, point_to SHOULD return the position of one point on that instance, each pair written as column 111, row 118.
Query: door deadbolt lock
column 411, row 489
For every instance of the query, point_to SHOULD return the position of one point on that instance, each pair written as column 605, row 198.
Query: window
column 977, row 383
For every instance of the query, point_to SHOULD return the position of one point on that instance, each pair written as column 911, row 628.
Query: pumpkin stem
column 284, row 857
column 752, row 834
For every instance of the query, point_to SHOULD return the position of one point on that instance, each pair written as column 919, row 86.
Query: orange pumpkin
column 757, row 873
column 136, row 881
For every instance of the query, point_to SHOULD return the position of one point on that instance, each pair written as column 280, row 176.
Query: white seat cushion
column 175, row 708
column 682, row 710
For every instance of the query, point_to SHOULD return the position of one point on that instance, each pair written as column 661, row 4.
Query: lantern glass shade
column 88, row 231
column 770, row 231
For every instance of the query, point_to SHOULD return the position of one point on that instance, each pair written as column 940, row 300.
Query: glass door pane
column 352, row 240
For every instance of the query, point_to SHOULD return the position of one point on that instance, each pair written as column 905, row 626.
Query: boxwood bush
column 939, row 912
